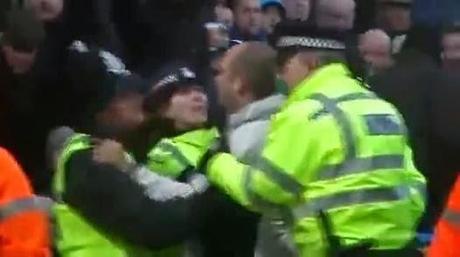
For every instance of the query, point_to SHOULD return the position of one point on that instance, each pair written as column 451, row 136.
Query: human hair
column 284, row 55
column 452, row 27
column 256, row 63
column 233, row 4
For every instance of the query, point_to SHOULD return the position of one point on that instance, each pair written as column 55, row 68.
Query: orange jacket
column 446, row 242
column 24, row 228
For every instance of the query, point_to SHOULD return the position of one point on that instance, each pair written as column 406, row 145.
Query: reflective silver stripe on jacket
column 352, row 164
column 268, row 207
column 377, row 125
column 360, row 165
column 452, row 217
column 165, row 146
column 361, row 196
column 164, row 189
column 279, row 176
column 34, row 203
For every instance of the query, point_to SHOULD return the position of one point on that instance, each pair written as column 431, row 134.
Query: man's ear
column 310, row 60
column 242, row 86
column 285, row 66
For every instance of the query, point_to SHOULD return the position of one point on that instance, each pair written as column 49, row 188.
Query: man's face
column 271, row 17
column 46, row 10
column 248, row 16
column 297, row 9
column 451, row 51
column 224, row 15
column 187, row 107
column 375, row 48
column 393, row 18
column 337, row 14
column 227, row 82
column 123, row 116
column 218, row 37
column 19, row 62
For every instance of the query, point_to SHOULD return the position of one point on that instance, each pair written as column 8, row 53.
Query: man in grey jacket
column 246, row 88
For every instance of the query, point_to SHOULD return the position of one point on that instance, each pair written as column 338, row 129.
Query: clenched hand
column 111, row 152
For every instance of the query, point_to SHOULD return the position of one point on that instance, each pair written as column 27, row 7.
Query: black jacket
column 229, row 230
column 427, row 99
column 118, row 205
column 30, row 105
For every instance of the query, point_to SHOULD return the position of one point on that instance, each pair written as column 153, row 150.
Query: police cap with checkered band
column 297, row 34
column 169, row 79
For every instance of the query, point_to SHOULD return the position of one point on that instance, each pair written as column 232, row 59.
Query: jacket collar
column 198, row 137
column 258, row 110
column 313, row 83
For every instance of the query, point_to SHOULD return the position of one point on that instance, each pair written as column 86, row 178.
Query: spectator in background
column 273, row 13
column 218, row 38
column 451, row 48
column 248, row 21
column 46, row 10
column 25, row 97
column 69, row 20
column 224, row 15
column 21, row 41
column 428, row 12
column 394, row 17
column 375, row 49
column 156, row 32
column 336, row 14
column 428, row 101
column 297, row 9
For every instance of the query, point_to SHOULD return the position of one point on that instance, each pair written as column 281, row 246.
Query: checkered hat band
column 167, row 80
column 310, row 42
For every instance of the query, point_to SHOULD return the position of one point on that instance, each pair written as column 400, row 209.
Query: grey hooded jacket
column 247, row 131
column 247, row 128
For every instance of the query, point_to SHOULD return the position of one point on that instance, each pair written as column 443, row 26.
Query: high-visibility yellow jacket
column 171, row 156
column 76, row 236
column 333, row 147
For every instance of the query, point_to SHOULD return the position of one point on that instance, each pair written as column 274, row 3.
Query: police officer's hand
column 111, row 152
column 220, row 146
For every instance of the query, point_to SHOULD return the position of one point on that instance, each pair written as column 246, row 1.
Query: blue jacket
column 236, row 34
column 435, row 12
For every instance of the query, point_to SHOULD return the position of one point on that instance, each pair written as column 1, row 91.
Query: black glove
column 220, row 146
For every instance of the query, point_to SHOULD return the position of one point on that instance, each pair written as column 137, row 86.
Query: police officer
column 101, row 211
column 335, row 162
column 177, row 99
